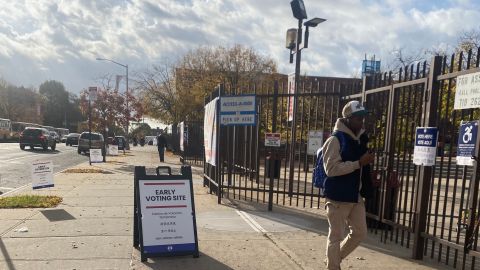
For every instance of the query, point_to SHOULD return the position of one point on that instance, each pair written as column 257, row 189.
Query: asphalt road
column 15, row 164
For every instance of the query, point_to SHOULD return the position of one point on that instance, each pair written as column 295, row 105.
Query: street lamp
column 126, row 91
column 294, row 39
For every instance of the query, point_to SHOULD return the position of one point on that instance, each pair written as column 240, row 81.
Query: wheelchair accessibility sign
column 467, row 143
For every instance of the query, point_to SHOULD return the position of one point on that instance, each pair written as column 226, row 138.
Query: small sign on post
column 467, row 143
column 96, row 156
column 425, row 151
column 315, row 141
column 273, row 139
column 42, row 174
column 113, row 150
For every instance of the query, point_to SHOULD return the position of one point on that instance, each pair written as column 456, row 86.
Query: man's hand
column 367, row 158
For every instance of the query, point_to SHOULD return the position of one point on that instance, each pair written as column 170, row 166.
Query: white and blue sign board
column 42, row 174
column 238, row 110
column 425, row 151
column 96, row 156
column 164, row 214
column 467, row 143
column 167, row 222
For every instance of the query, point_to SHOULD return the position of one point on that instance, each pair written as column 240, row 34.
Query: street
column 15, row 170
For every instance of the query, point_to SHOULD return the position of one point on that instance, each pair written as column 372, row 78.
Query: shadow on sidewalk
column 318, row 223
column 57, row 215
column 6, row 256
column 184, row 263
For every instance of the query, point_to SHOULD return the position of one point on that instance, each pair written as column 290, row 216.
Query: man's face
column 356, row 122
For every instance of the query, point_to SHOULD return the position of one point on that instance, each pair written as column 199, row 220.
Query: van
column 84, row 142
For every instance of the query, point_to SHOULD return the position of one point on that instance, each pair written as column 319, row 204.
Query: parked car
column 63, row 138
column 55, row 136
column 37, row 137
column 84, row 142
column 72, row 139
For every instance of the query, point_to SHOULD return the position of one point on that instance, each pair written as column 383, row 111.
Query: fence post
column 273, row 155
column 219, row 167
column 429, row 116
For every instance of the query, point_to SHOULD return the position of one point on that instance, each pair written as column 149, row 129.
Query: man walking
column 161, row 144
column 346, row 163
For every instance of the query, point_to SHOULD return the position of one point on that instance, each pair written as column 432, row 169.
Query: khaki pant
column 341, row 214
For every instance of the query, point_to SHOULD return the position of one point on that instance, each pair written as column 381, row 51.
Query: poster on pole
column 96, row 156
column 273, row 139
column 467, row 143
column 425, row 151
column 315, row 141
column 167, row 223
column 182, row 130
column 467, row 93
column 42, row 174
column 210, row 132
column 92, row 93
column 112, row 150
column 291, row 92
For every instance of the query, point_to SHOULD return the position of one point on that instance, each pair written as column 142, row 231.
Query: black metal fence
column 433, row 210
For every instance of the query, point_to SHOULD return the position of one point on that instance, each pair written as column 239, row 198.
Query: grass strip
column 81, row 170
column 30, row 201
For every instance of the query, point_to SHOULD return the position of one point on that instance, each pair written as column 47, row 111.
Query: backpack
column 319, row 174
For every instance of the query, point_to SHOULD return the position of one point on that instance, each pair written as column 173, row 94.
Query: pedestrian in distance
column 161, row 144
column 348, row 183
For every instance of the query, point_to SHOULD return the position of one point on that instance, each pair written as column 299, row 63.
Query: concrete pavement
column 92, row 229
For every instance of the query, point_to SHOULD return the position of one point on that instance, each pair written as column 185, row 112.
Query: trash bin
column 276, row 167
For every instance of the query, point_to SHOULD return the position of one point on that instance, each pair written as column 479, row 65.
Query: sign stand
column 164, row 214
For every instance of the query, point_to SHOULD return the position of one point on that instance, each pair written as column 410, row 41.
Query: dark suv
column 37, row 137
column 72, row 139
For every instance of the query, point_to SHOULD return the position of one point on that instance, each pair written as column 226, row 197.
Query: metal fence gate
column 432, row 210
column 242, row 157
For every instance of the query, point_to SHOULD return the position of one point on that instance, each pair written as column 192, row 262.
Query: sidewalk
column 93, row 228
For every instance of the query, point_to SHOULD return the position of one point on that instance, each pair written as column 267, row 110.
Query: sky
column 60, row 39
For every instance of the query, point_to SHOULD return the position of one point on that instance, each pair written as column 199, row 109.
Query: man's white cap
column 353, row 108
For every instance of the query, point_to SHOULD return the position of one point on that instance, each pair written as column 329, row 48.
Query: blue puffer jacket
column 345, row 188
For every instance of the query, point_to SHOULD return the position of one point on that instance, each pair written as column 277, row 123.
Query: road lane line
column 250, row 221
column 12, row 159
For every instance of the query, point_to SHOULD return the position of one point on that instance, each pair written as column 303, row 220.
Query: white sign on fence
column 272, row 139
column 467, row 93
column 425, row 151
column 167, row 222
column 210, row 132
column 182, row 131
column 238, row 110
column 42, row 174
column 315, row 141
column 96, row 155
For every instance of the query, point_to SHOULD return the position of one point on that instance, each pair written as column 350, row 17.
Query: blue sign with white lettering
column 467, row 143
column 424, row 153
